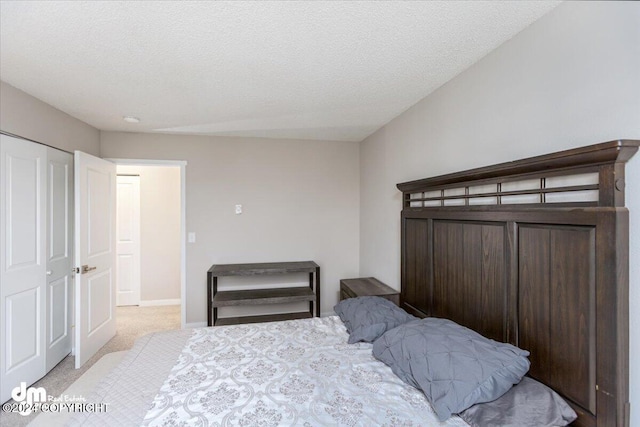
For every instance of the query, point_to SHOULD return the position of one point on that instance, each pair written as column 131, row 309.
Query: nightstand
column 367, row 286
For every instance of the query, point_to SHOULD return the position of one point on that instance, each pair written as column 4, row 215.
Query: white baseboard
column 157, row 302
column 327, row 313
column 195, row 325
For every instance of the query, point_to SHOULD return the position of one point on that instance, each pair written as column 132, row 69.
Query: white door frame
column 183, row 220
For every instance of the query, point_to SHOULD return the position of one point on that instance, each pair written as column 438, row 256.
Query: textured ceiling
column 310, row 70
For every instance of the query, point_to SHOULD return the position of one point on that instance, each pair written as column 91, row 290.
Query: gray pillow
column 454, row 366
column 366, row 318
column 528, row 404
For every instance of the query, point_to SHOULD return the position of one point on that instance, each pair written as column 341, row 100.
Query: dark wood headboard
column 535, row 253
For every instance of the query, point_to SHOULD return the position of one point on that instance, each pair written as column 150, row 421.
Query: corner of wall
column 45, row 123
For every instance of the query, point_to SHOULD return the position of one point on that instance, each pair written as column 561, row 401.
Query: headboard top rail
column 585, row 176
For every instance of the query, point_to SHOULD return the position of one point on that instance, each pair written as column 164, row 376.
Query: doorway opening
column 150, row 236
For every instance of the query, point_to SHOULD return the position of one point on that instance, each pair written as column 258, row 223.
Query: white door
column 22, row 262
column 59, row 256
column 95, row 252
column 128, row 240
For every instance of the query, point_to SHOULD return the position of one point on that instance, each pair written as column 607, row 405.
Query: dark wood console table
column 217, row 298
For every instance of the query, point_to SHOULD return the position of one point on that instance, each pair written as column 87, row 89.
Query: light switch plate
column 191, row 237
column 238, row 209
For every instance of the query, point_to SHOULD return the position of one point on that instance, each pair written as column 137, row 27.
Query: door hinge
column 75, row 270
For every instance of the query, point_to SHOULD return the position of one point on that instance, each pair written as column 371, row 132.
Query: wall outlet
column 238, row 209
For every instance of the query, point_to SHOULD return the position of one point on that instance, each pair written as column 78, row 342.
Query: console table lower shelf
column 216, row 299
column 223, row 321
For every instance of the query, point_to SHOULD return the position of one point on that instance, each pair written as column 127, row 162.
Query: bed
column 532, row 253
column 298, row 372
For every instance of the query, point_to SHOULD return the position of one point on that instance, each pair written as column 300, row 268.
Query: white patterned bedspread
column 299, row 372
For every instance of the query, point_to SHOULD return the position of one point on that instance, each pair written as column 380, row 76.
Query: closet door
column 22, row 262
column 59, row 255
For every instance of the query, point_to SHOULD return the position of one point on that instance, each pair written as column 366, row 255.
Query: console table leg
column 214, row 287
column 209, row 300
column 311, row 286
column 318, row 291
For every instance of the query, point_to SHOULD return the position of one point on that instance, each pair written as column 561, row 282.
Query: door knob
column 86, row 268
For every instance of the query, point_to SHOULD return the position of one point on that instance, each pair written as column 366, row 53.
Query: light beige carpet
column 81, row 387
column 131, row 323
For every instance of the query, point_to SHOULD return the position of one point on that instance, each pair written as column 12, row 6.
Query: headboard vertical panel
column 447, row 275
column 573, row 313
column 471, row 270
column 512, row 274
column 557, row 308
column 533, row 299
column 494, row 282
column 416, row 272
column 532, row 252
column 469, row 265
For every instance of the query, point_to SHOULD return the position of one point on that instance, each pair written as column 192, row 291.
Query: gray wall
column 159, row 230
column 300, row 198
column 570, row 79
column 26, row 116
